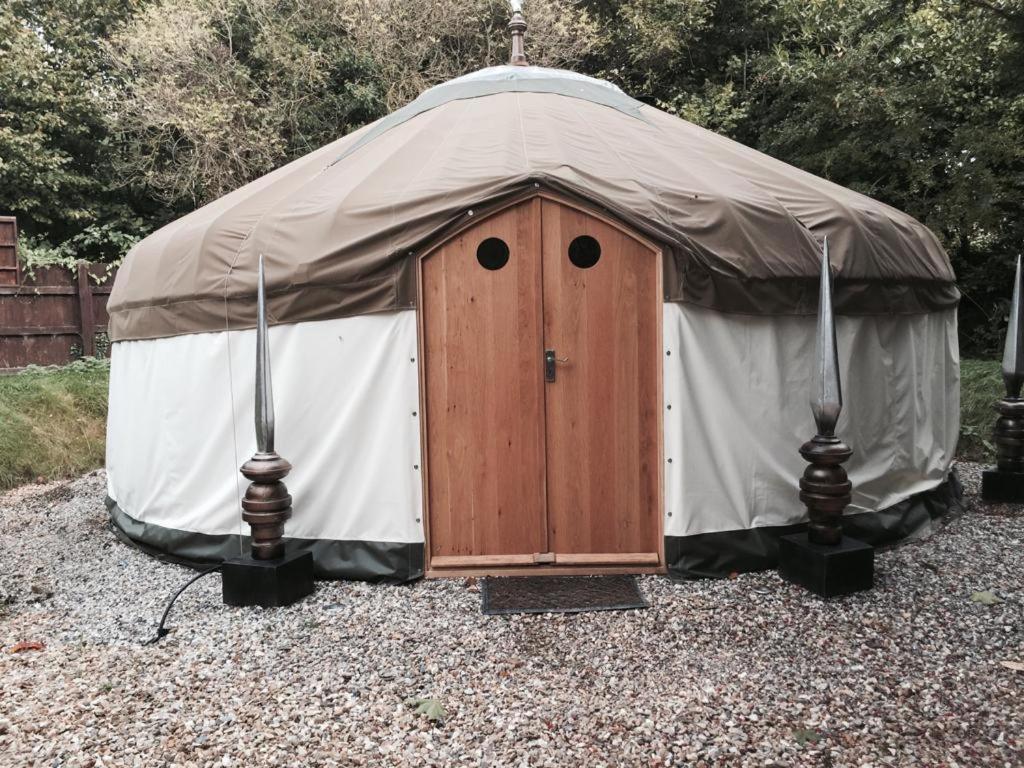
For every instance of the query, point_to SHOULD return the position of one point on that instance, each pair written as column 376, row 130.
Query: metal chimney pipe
column 518, row 29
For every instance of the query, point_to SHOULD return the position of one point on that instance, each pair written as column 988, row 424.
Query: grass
column 53, row 421
column 981, row 384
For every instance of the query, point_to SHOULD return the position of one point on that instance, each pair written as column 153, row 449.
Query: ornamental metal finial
column 518, row 29
column 264, row 389
column 267, row 504
column 1005, row 482
column 825, row 487
column 823, row 559
column 269, row 576
column 1013, row 351
column 827, row 392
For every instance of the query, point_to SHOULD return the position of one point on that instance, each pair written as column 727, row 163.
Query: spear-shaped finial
column 825, row 488
column 1006, row 481
column 517, row 26
column 827, row 392
column 270, row 576
column 264, row 388
column 1013, row 351
column 823, row 559
column 266, row 505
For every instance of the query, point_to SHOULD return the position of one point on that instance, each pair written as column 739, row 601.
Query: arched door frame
column 432, row 244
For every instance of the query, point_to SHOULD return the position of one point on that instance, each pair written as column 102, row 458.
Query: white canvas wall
column 346, row 390
column 739, row 388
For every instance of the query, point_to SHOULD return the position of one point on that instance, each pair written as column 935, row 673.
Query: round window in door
column 492, row 253
column 584, row 251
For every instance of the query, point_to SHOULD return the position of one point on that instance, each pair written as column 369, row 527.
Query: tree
column 55, row 157
column 217, row 92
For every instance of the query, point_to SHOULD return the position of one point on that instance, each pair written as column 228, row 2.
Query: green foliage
column 56, row 157
column 431, row 709
column 102, row 242
column 52, row 421
column 805, row 736
column 986, row 597
column 981, row 384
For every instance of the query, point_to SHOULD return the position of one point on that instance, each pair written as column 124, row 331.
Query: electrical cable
column 162, row 631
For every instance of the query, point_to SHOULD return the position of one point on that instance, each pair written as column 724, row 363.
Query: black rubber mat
column 559, row 594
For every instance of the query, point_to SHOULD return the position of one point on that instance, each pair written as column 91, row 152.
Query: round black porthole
column 584, row 251
column 492, row 253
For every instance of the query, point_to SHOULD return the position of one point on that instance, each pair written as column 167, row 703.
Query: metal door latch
column 549, row 364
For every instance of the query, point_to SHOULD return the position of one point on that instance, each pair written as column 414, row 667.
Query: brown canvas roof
column 339, row 228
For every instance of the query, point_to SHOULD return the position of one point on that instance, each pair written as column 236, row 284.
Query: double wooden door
column 541, row 341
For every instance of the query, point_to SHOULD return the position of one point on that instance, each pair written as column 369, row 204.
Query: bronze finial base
column 267, row 504
column 1005, row 483
column 825, row 488
column 268, row 577
column 822, row 559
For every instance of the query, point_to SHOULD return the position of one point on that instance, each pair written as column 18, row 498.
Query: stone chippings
column 745, row 671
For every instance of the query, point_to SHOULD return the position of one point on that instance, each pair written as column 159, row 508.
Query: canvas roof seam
column 522, row 135
column 695, row 252
column 236, row 198
column 241, row 245
column 352, row 190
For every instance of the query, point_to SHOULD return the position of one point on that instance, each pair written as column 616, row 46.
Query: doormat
column 559, row 594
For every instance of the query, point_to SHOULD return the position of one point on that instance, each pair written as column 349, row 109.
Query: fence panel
column 10, row 274
column 53, row 315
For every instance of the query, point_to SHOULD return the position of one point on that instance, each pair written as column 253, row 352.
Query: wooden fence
column 53, row 315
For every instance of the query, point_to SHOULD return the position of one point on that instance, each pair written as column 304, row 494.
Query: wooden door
column 482, row 332
column 525, row 469
column 601, row 320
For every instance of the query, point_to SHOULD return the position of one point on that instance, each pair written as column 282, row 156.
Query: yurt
column 528, row 324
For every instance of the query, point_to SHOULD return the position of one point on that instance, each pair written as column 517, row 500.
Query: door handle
column 549, row 364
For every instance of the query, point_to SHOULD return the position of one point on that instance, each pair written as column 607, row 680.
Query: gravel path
column 749, row 671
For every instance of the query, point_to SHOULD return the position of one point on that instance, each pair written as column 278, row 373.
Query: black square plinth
column 997, row 485
column 267, row 583
column 827, row 570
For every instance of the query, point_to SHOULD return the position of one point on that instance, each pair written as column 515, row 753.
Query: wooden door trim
column 545, row 570
column 475, row 216
column 449, row 233
column 480, row 561
column 612, row 558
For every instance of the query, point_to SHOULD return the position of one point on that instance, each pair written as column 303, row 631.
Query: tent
column 529, row 324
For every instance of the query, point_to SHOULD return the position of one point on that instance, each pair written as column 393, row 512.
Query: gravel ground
column 747, row 671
